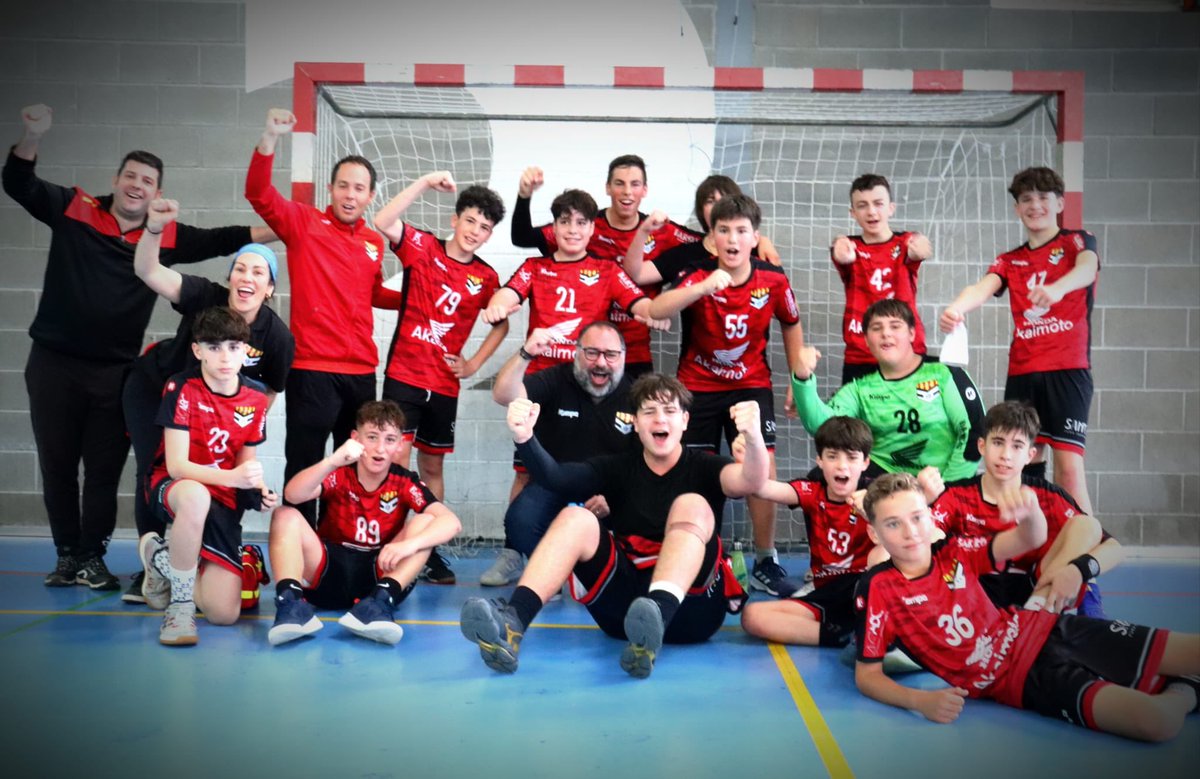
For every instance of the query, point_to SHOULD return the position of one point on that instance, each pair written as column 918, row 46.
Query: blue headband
column 262, row 251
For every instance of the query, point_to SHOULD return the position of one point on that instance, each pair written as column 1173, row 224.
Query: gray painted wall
column 167, row 76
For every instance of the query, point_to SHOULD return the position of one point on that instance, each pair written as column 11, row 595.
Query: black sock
column 668, row 604
column 289, row 588
column 527, row 604
column 1037, row 470
column 392, row 591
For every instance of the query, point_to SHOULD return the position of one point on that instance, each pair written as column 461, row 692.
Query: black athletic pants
column 140, row 400
column 75, row 409
column 319, row 404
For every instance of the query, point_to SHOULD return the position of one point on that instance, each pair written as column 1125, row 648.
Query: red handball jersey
column 439, row 304
column 962, row 510
column 945, row 622
column 611, row 243
column 366, row 520
column 837, row 537
column 724, row 339
column 565, row 296
column 1054, row 339
column 218, row 426
column 336, row 275
column 880, row 271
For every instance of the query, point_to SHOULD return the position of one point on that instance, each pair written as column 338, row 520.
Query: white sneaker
column 156, row 588
column 179, row 625
column 506, row 570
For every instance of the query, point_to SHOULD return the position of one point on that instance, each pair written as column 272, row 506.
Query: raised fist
column 843, row 250
column 532, row 179
column 37, row 119
column 280, row 121
column 161, row 213
column 441, row 180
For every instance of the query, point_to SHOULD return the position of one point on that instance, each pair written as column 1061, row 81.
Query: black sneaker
column 495, row 627
column 94, row 573
column 768, row 576
column 134, row 593
column 436, row 571
column 644, row 628
column 64, row 572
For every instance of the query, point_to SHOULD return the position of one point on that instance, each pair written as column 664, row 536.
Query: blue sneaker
column 644, row 628
column 373, row 618
column 768, row 576
column 294, row 618
column 1091, row 605
column 496, row 628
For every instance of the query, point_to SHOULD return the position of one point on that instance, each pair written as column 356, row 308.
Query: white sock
column 669, row 587
column 769, row 552
column 183, row 584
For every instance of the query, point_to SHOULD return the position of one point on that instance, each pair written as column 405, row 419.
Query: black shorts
column 1008, row 588
column 344, row 576
column 609, row 582
column 428, row 417
column 1063, row 400
column 1081, row 656
column 709, row 417
column 833, row 606
column 222, row 539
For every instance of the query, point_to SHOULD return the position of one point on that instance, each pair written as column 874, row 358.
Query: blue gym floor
column 89, row 692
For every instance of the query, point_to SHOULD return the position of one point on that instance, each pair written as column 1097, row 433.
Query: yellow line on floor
column 827, row 746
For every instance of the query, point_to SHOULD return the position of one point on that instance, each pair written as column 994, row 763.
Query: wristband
column 525, row 355
column 1088, row 566
column 148, row 230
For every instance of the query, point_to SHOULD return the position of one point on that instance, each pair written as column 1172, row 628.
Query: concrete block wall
column 168, row 76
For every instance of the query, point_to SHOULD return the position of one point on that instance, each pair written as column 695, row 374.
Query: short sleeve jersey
column 880, row 271
column 440, row 302
column 1059, row 338
column 962, row 510
column 566, row 296
column 932, row 416
column 268, row 352
column 724, row 336
column 612, row 243
column 944, row 620
column 572, row 425
column 218, row 426
column 837, row 537
column 639, row 499
column 362, row 519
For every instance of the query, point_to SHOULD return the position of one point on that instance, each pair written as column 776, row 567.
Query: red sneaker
column 254, row 575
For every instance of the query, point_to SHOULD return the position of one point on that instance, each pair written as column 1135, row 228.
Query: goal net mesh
column 949, row 158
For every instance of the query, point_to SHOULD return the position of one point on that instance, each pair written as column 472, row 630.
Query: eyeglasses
column 591, row 355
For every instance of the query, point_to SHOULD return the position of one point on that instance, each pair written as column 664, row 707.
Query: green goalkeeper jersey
column 933, row 416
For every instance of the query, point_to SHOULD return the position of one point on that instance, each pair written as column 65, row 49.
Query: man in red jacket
column 334, row 264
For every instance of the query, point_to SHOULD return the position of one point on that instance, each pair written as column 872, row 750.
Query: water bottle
column 737, row 561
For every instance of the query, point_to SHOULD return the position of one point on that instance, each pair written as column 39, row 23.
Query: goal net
column 949, row 158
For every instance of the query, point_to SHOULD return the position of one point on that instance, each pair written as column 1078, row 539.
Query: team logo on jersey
column 955, row 579
column 906, row 458
column 243, row 415
column 388, row 501
column 474, row 284
column 1056, row 255
column 589, row 277
column 1035, row 313
column 432, row 334
column 623, row 422
column 929, row 391
column 730, row 356
column 252, row 356
column 372, row 251
column 759, row 297
column 896, row 252
column 561, row 332
column 648, row 246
